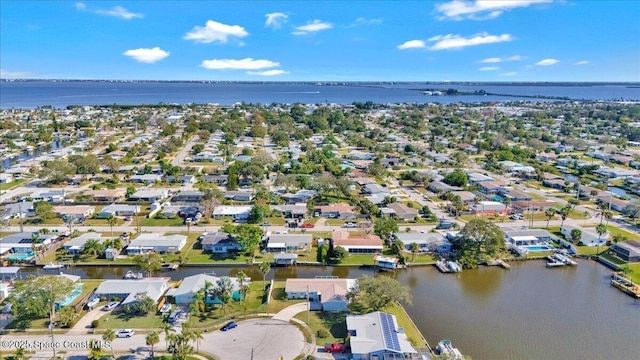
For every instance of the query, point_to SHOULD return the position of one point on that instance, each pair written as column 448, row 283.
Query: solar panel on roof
column 388, row 330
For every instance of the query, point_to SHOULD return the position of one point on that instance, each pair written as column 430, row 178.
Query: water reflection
column 480, row 283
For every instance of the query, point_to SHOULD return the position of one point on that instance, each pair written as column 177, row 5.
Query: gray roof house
column 76, row 245
column 118, row 210
column 402, row 211
column 129, row 289
column 627, row 250
column 150, row 195
column 146, row 178
column 146, row 243
column 298, row 210
column 244, row 196
column 289, row 242
column 375, row 335
column 426, row 241
column 188, row 196
column 374, row 189
column 19, row 210
column 191, row 284
column 219, row 243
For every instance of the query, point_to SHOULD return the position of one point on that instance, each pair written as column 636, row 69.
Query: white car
column 350, row 225
column 125, row 333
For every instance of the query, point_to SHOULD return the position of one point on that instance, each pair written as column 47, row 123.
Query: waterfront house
column 357, row 243
column 77, row 290
column 426, row 241
column 377, row 336
column 118, row 210
column 146, row 243
column 589, row 235
column 129, row 289
column 190, row 285
column 285, row 259
column 236, row 212
column 75, row 246
column 520, row 237
column 325, row 294
column 288, row 242
column 219, row 243
column 628, row 251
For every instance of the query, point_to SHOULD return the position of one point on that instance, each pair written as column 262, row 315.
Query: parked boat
column 169, row 267
column 454, row 266
column 165, row 308
column 132, row 275
column 52, row 266
column 442, row 266
column 445, row 348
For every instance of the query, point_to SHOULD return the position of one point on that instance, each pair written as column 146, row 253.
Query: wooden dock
column 442, row 266
column 625, row 284
column 503, row 264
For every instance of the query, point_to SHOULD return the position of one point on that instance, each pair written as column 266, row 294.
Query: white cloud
column 313, row 26
column 364, row 21
column 119, row 11
column 242, row 64
column 275, row 20
column 489, row 68
column 80, row 6
column 412, row 44
column 147, row 55
column 582, row 62
column 214, row 31
column 493, row 60
column 547, row 62
column 512, row 73
column 8, row 74
column 274, row 72
column 481, row 9
column 451, row 41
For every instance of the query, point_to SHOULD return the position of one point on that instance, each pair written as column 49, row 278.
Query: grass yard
column 404, row 321
column 275, row 220
column 278, row 299
column 117, row 320
column 161, row 222
column 13, row 184
column 331, row 324
column 635, row 272
column 102, row 222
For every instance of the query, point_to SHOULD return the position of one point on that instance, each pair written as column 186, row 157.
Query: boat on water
column 132, row 275
column 454, row 266
column 52, row 266
column 445, row 348
column 169, row 267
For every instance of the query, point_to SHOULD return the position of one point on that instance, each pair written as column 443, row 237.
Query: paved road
column 179, row 158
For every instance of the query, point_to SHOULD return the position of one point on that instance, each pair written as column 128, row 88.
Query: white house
column 129, row 289
column 374, row 335
column 325, row 294
column 190, row 285
column 5, row 178
column 589, row 236
column 426, row 241
column 118, row 210
column 146, row 243
column 150, row 195
column 76, row 245
column 238, row 212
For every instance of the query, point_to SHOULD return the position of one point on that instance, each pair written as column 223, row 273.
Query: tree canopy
column 36, row 297
column 248, row 236
column 478, row 241
column 374, row 293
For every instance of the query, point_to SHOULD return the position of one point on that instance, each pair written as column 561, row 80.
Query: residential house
column 490, row 208
column 490, row 187
column 614, row 203
column 78, row 212
column 285, row 259
column 427, row 242
column 288, row 242
column 74, row 294
column 75, row 246
column 554, row 183
column 467, row 197
column 240, row 196
column 291, row 211
column 146, row 178
column 216, row 179
column 188, row 196
column 118, row 210
column 106, row 195
column 440, row 187
column 401, row 211
column 628, row 251
column 6, row 178
column 301, row 196
column 219, row 243
column 325, row 294
column 520, row 237
column 377, row 336
column 237, row 212
column 390, row 161
column 374, row 189
column 133, row 290
column 183, row 179
column 150, row 195
column 514, row 195
column 190, row 285
column 535, row 206
column 23, row 242
column 18, row 210
column 477, row 178
column 336, row 211
column 53, row 196
column 546, row 157
column 357, row 243
column 589, row 236
column 148, row 242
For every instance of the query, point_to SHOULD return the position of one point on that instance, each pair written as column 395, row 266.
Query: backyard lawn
column 118, row 320
column 331, row 324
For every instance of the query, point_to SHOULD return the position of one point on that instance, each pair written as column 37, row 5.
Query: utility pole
column 308, row 304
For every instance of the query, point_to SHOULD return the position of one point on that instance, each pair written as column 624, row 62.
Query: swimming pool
column 20, row 256
column 538, row 247
column 76, row 292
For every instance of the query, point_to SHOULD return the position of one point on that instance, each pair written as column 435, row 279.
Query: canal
column 529, row 312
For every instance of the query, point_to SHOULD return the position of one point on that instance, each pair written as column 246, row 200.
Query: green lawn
column 275, row 220
column 117, row 320
column 13, row 184
column 635, row 272
column 404, row 321
column 278, row 299
column 102, row 222
column 161, row 222
column 331, row 324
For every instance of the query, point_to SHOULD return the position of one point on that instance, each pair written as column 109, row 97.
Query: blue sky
column 459, row 40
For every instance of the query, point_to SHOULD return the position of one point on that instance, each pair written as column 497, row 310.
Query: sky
column 449, row 40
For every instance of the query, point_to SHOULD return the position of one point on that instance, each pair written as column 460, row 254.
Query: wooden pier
column 442, row 266
column 625, row 284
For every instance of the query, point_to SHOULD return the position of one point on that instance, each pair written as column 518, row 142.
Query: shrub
column 95, row 323
column 322, row 333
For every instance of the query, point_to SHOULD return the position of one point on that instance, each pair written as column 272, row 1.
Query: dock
column 442, row 266
column 625, row 284
column 557, row 260
column 170, row 267
column 503, row 264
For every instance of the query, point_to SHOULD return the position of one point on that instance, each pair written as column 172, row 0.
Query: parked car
column 307, row 226
column 228, row 326
column 334, row 348
column 110, row 306
column 515, row 217
column 350, row 225
column 174, row 316
column 125, row 333
column 444, row 225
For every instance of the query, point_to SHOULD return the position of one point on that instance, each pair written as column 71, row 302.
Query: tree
column 506, row 202
column 20, row 354
column 385, row 226
column 168, row 329
column 244, row 288
column 36, row 297
column 57, row 171
column 149, row 263
column 573, row 202
column 374, row 293
column 576, row 235
column 224, row 291
column 95, row 351
column 632, row 210
column 456, row 178
column 550, row 213
column 264, row 269
column 337, row 254
column 152, row 339
column 112, row 222
column 478, row 241
column 196, row 335
column 414, row 248
column 210, row 199
column 247, row 235
column 142, row 305
column 43, row 209
column 601, row 229
column 564, row 213
column 93, row 247
column 179, row 344
column 604, row 212
column 257, row 214
column 66, row 316
column 108, row 336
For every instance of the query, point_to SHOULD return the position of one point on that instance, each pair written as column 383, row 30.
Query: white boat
column 454, row 266
column 131, row 275
column 445, row 348
column 52, row 266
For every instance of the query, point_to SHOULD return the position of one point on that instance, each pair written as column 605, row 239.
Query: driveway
column 257, row 339
column 84, row 324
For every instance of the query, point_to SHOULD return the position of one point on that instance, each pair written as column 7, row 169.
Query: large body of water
column 32, row 94
column 529, row 312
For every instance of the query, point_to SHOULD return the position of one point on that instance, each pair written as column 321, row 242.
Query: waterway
column 529, row 312
column 27, row 155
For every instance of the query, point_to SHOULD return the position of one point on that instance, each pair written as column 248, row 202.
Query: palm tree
column 196, row 335
column 152, row 339
column 112, row 221
column 601, row 229
column 506, row 202
column 564, row 213
column 414, row 247
column 20, row 354
column 604, row 212
column 549, row 213
column 576, row 234
column 240, row 276
column 109, row 336
column 224, row 291
column 264, row 268
column 167, row 329
column 477, row 199
column 93, row 247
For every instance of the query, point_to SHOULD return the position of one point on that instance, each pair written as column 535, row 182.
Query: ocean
column 60, row 94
